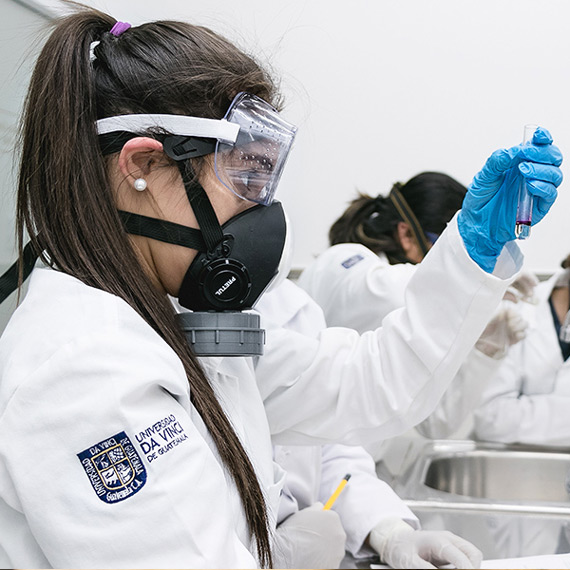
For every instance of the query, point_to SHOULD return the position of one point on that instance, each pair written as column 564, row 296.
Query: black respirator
column 226, row 277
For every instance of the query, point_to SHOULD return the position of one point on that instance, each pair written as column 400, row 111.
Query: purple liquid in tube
column 524, row 206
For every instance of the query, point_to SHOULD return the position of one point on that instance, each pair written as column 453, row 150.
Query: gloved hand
column 487, row 219
column 310, row 538
column 506, row 328
column 522, row 289
column 400, row 546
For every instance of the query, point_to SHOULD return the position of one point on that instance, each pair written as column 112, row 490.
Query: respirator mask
column 236, row 261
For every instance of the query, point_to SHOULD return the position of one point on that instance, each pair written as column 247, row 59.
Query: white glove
column 522, row 289
column 400, row 546
column 310, row 538
column 506, row 328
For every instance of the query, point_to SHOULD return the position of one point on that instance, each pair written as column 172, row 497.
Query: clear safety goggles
column 253, row 142
column 251, row 166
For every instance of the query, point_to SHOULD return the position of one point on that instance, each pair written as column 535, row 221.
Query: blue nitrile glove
column 487, row 219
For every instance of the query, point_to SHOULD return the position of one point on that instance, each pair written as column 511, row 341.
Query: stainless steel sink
column 499, row 474
column 508, row 500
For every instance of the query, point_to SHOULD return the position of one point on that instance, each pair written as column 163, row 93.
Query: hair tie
column 116, row 31
column 119, row 28
column 92, row 46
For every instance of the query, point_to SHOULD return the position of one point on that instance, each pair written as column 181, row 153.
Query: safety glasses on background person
column 251, row 143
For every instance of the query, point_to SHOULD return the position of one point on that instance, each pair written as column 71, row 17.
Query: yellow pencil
column 338, row 491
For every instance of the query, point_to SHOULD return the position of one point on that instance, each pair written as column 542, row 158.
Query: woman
column 120, row 447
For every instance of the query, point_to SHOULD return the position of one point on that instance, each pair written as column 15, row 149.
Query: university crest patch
column 114, row 468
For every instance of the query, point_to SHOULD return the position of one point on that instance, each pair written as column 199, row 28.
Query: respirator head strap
column 162, row 230
column 202, row 207
column 182, row 149
column 176, row 147
column 9, row 280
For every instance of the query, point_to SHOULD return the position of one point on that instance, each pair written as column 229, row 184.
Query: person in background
column 120, row 446
column 376, row 246
column 527, row 399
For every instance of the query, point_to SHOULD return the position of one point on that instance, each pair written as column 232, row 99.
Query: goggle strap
column 222, row 130
column 9, row 280
column 203, row 210
column 162, row 230
column 409, row 217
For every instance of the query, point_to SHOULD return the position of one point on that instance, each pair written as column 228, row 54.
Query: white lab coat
column 80, row 366
column 528, row 399
column 85, row 379
column 357, row 288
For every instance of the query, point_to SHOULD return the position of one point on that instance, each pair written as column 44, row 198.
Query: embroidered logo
column 114, row 468
column 348, row 263
column 161, row 437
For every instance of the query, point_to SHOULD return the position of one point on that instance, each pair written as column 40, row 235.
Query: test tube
column 524, row 205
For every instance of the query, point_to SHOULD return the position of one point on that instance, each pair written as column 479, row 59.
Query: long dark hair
column 432, row 197
column 65, row 200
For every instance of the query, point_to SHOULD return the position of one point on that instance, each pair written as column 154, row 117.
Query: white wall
column 383, row 89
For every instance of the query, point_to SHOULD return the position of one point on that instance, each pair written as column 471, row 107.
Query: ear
column 139, row 156
column 405, row 237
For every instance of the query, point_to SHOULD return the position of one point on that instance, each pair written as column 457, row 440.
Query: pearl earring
column 140, row 184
